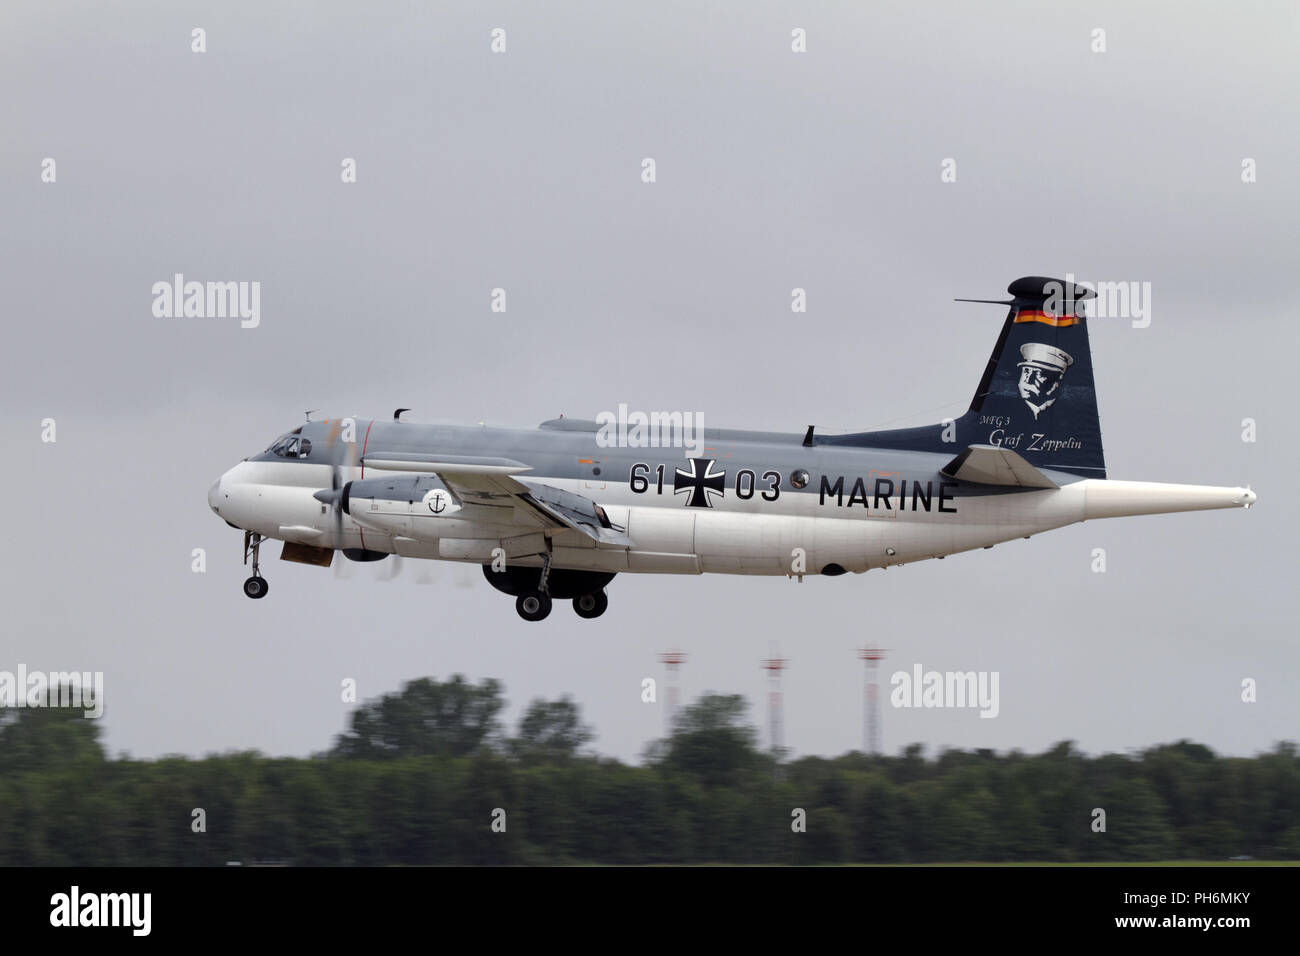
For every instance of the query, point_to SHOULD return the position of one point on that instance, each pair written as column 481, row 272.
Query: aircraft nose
column 214, row 496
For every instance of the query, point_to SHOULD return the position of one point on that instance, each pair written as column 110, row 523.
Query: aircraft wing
column 993, row 465
column 481, row 481
column 575, row 512
column 491, row 482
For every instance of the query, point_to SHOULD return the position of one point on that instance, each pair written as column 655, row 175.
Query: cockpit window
column 291, row 447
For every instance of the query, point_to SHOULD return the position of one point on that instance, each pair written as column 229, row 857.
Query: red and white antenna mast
column 871, row 699
column 672, row 660
column 774, row 665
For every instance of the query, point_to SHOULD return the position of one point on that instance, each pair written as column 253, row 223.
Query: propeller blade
column 393, row 569
column 334, row 497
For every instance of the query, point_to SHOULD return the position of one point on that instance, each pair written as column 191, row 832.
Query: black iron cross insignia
column 700, row 481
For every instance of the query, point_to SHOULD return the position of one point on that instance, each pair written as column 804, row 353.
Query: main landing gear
column 256, row 586
column 535, row 596
column 535, row 605
column 591, row 605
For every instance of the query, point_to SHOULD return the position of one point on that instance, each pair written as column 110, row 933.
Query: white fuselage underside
column 797, row 534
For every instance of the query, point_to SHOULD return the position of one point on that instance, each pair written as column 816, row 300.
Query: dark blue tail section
column 1036, row 396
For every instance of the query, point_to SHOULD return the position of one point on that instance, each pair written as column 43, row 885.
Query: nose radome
column 214, row 495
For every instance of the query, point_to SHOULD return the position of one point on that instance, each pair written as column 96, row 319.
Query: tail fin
column 1036, row 396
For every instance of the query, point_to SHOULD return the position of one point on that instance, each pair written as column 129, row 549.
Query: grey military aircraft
column 558, row 511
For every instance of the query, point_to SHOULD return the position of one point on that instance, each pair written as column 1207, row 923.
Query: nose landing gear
column 256, row 586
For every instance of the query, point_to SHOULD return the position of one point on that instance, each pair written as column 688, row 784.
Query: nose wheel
column 591, row 605
column 256, row 586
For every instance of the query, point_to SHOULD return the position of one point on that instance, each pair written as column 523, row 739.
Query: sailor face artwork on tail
column 1041, row 371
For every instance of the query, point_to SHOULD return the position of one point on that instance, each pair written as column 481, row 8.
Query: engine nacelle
column 405, row 505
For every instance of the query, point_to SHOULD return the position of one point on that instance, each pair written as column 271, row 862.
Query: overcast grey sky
column 521, row 170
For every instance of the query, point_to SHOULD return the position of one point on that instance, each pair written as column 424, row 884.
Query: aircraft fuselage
column 750, row 503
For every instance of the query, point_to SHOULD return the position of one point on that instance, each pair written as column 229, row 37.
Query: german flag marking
column 1059, row 321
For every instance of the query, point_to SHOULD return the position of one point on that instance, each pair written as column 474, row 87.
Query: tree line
column 428, row 775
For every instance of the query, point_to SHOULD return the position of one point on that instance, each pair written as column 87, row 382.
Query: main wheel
column 591, row 605
column 256, row 587
column 533, row 605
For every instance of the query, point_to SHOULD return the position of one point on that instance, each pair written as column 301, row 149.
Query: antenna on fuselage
column 311, row 412
column 397, row 414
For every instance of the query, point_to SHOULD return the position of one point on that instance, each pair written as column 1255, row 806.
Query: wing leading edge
column 491, row 482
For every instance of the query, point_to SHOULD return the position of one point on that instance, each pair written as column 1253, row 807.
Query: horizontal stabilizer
column 992, row 465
